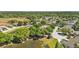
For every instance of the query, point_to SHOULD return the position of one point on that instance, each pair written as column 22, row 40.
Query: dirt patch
column 3, row 22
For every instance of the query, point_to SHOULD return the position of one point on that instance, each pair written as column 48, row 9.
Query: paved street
column 57, row 36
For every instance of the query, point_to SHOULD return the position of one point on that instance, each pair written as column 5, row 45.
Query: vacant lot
column 3, row 22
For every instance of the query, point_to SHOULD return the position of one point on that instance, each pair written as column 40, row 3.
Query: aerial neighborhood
column 39, row 29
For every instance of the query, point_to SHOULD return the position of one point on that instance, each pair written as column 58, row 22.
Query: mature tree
column 76, row 26
column 6, row 38
column 43, row 22
column 60, row 23
column 21, row 34
column 12, row 21
column 66, row 30
column 26, row 21
column 20, row 23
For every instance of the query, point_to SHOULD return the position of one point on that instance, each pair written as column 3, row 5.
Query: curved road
column 11, row 29
column 57, row 36
column 54, row 34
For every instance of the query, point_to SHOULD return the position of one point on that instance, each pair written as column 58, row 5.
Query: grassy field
column 4, row 21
